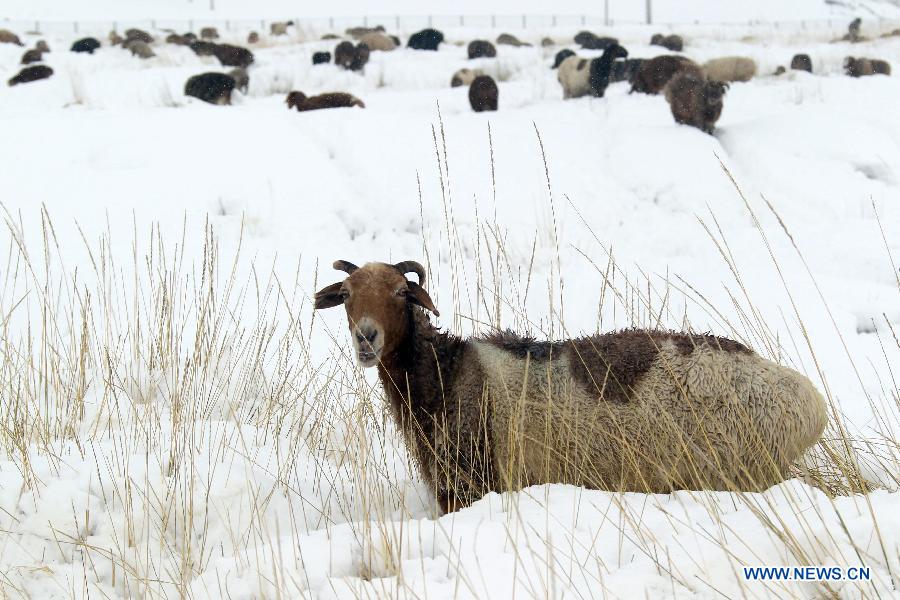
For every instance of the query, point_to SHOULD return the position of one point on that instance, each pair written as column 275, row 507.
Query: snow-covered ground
column 177, row 421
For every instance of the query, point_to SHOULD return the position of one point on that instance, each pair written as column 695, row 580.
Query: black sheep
column 352, row 58
column 214, row 88
column 601, row 68
column 624, row 70
column 202, row 48
column 590, row 41
column 88, row 45
column 29, row 74
column 483, row 94
column 321, row 58
column 561, row 56
column 480, row 48
column 801, row 62
column 427, row 39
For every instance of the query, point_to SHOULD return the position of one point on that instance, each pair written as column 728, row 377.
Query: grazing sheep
column 633, row 410
column 214, row 88
column 480, row 48
column 233, row 56
column 32, row 56
column 191, row 37
column 464, row 77
column 547, row 42
column 590, row 41
column 561, row 56
column 730, row 68
column 852, row 34
column 241, row 79
column 8, row 37
column 202, row 48
column 696, row 101
column 863, row 67
column 624, row 70
column 114, row 38
column 427, row 39
column 209, row 33
column 352, row 58
column 483, row 94
column 29, row 74
column 655, row 73
column 178, row 40
column 376, row 40
column 87, row 45
column 673, row 42
column 779, row 70
column 582, row 76
column 253, row 37
column 507, row 39
column 302, row 102
column 321, row 58
column 139, row 35
column 42, row 46
column 801, row 62
column 139, row 49
column 280, row 27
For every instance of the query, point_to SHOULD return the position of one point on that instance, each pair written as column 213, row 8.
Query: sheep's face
column 377, row 298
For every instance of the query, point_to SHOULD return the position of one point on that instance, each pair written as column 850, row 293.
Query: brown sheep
column 352, row 58
column 253, row 37
column 801, row 62
column 114, row 38
column 654, row 74
column 32, row 56
column 8, row 37
column 634, row 410
column 481, row 48
column 673, row 42
column 232, row 56
column 358, row 32
column 209, row 33
column 241, row 79
column 483, row 94
column 863, row 67
column 29, row 74
column 178, row 40
column 280, row 27
column 376, row 40
column 139, row 49
column 696, row 101
column 42, row 46
column 139, row 35
column 302, row 102
column 507, row 39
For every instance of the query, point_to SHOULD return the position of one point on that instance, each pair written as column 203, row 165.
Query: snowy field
column 177, row 422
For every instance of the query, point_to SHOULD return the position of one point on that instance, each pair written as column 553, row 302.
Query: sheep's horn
column 411, row 266
column 345, row 266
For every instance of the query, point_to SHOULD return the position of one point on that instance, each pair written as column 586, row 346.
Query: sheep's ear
column 418, row 295
column 329, row 296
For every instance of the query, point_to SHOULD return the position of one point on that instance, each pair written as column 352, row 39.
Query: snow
column 263, row 463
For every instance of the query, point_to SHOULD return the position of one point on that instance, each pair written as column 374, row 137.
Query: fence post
column 583, row 20
column 493, row 20
column 330, row 23
column 37, row 26
column 649, row 12
column 397, row 23
column 76, row 26
column 462, row 20
column 429, row 21
column 606, row 12
column 365, row 21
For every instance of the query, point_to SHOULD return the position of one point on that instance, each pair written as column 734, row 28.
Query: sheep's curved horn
column 345, row 266
column 411, row 266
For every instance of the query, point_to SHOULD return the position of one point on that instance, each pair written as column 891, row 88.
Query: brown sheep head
column 378, row 299
column 295, row 99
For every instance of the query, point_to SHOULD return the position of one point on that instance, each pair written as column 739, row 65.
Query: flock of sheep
column 695, row 92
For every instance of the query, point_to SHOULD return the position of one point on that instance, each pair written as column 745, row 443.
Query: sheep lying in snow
column 8, row 37
column 214, row 88
column 321, row 58
column 635, row 410
column 863, row 67
column 253, row 37
column 233, row 56
column 201, row 48
column 358, row 32
column 139, row 49
column 139, row 35
column 427, row 39
column 209, row 33
column 464, row 77
column 178, row 40
column 801, row 62
column 480, row 48
column 42, row 46
column 655, row 73
column 672, row 42
column 561, row 56
column 730, row 68
column 696, row 101
column 280, row 27
column 377, row 41
column 483, row 94
column 302, row 102
column 29, row 74
column 32, row 56
column 87, row 45
column 581, row 76
column 591, row 41
column 352, row 58
column 508, row 39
